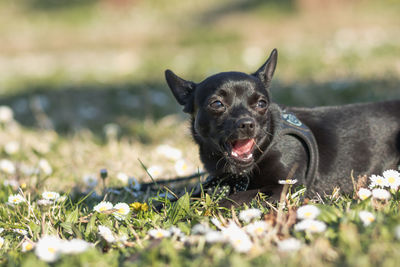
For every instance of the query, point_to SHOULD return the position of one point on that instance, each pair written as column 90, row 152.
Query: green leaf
column 67, row 226
column 181, row 208
column 73, row 216
column 208, row 200
column 91, row 225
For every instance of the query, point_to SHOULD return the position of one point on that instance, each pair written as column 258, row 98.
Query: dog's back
column 363, row 138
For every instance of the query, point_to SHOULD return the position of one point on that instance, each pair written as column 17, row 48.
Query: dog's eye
column 217, row 105
column 261, row 104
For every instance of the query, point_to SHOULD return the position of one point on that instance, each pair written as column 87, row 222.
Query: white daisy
column 7, row 166
column 123, row 177
column 214, row 237
column 15, row 199
column 27, row 246
column 169, row 152
column 217, row 223
column 134, row 183
column 377, row 181
column 200, row 229
column 45, row 167
column 61, row 199
column 111, row 130
column 48, row 248
column 311, row 226
column 364, row 193
column 107, row 234
column 45, row 202
column 90, row 180
column 11, row 147
column 287, row 181
column 392, row 178
column 181, row 167
column 238, row 238
column 175, row 231
column 50, row 195
column 1, row 229
column 12, row 183
column 1, row 242
column 308, row 212
column 122, row 210
column 381, row 194
column 366, row 217
column 20, row 231
column 159, row 233
column 249, row 214
column 28, row 170
column 257, row 228
column 74, row 246
column 290, row 244
column 6, row 114
column 155, row 171
column 103, row 206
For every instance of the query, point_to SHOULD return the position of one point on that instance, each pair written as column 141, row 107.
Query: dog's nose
column 245, row 124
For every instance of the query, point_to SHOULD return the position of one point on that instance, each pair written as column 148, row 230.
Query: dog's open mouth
column 242, row 149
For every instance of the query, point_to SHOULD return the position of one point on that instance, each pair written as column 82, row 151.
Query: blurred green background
column 79, row 64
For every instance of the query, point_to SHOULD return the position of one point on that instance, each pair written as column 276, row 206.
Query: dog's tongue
column 242, row 147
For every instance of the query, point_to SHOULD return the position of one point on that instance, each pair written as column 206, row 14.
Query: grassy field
column 82, row 89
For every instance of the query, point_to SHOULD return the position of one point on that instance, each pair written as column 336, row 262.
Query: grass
column 346, row 240
column 85, row 82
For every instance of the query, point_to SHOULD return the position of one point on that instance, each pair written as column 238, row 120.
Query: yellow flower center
column 121, row 211
column 51, row 250
column 370, row 219
column 308, row 214
column 28, row 246
column 103, row 209
column 313, row 227
column 238, row 241
column 159, row 235
column 391, row 180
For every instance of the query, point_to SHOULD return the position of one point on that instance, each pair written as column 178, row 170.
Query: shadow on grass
column 49, row 5
column 69, row 109
column 72, row 108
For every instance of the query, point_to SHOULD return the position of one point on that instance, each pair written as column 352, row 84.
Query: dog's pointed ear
column 266, row 71
column 182, row 90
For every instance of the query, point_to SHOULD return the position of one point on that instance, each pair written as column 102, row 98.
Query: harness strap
column 291, row 125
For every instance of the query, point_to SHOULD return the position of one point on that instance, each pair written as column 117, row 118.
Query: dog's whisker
column 216, row 165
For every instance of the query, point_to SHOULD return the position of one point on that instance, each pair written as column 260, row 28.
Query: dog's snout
column 246, row 125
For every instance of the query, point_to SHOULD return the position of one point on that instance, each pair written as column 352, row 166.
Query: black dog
column 248, row 143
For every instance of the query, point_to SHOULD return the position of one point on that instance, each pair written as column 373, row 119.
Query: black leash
column 144, row 186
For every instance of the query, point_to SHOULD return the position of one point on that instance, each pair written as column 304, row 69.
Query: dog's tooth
column 234, row 154
column 249, row 156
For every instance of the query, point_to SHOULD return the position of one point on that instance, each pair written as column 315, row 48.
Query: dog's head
column 229, row 115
